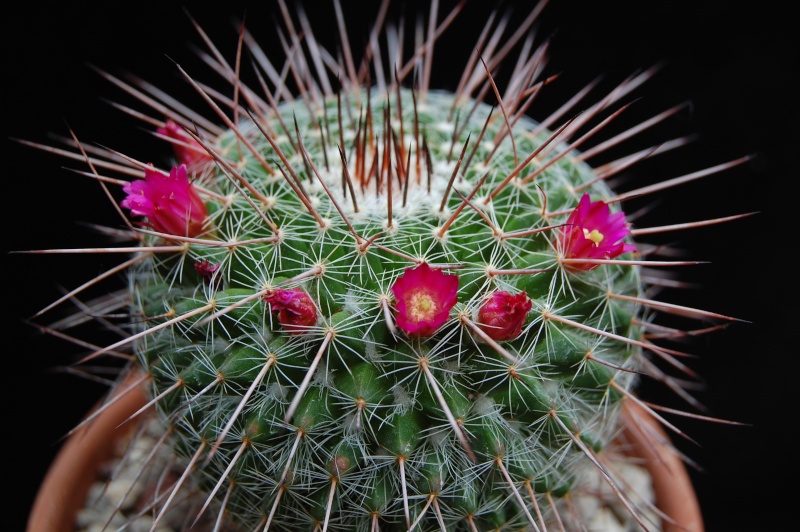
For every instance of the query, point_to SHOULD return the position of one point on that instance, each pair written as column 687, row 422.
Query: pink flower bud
column 206, row 269
column 296, row 310
column 592, row 232
column 170, row 203
column 503, row 315
column 187, row 150
column 424, row 298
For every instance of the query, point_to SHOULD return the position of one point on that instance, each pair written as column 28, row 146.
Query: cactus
column 366, row 303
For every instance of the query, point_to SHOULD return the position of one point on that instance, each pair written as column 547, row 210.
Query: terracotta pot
column 79, row 463
column 674, row 492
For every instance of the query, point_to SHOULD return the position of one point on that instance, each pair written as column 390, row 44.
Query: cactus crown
column 369, row 304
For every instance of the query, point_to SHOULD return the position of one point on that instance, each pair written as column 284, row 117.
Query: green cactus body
column 341, row 406
column 375, row 317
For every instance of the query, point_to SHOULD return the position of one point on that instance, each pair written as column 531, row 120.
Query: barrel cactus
column 361, row 303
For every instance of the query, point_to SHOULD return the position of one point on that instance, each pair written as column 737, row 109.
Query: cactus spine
column 384, row 306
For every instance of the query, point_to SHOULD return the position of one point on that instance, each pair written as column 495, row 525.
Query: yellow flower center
column 594, row 235
column 421, row 306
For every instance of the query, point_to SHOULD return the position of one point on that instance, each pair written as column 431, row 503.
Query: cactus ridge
column 305, row 378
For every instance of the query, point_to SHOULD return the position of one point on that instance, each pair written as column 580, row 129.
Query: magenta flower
column 296, row 310
column 187, row 150
column 592, row 232
column 424, row 299
column 503, row 315
column 170, row 203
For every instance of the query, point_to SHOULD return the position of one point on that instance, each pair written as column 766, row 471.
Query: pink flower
column 592, row 232
column 187, row 150
column 296, row 310
column 170, row 203
column 424, row 299
column 503, row 315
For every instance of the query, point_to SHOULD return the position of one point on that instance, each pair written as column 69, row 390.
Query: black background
column 736, row 66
